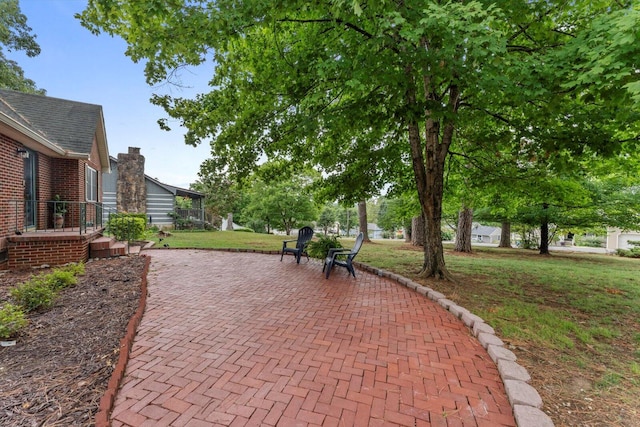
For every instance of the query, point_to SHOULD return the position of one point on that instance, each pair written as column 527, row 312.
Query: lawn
column 571, row 318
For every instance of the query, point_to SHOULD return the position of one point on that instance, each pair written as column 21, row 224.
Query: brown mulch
column 59, row 369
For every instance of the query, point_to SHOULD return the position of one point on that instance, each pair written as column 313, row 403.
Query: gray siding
column 160, row 197
column 160, row 202
column 109, row 181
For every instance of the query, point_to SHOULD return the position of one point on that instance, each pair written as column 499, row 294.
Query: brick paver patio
column 242, row 339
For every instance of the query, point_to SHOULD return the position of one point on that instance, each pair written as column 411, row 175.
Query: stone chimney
column 131, row 191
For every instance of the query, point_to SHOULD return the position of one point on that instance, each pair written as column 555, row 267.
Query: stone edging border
column 525, row 400
column 107, row 400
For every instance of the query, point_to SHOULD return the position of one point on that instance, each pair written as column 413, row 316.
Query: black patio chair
column 305, row 234
column 343, row 257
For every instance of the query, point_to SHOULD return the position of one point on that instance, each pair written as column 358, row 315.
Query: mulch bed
column 59, row 369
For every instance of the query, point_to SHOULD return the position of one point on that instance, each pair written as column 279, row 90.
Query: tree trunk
column 465, row 226
column 408, row 232
column 348, row 229
column 362, row 219
column 428, row 161
column 505, row 235
column 544, row 232
column 417, row 231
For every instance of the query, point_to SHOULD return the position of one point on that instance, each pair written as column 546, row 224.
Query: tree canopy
column 360, row 89
column 15, row 35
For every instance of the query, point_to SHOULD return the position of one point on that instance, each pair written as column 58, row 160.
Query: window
column 91, row 184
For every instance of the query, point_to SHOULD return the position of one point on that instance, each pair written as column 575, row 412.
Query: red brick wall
column 11, row 176
column 63, row 177
column 51, row 250
column 43, row 189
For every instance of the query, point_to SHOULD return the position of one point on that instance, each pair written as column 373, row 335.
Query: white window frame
column 91, row 184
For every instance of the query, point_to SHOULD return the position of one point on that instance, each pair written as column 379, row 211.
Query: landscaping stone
column 413, row 285
column 521, row 393
column 489, row 339
column 510, row 370
column 498, row 352
column 422, row 290
column 527, row 416
column 446, row 303
column 471, row 319
column 435, row 295
column 457, row 311
column 479, row 327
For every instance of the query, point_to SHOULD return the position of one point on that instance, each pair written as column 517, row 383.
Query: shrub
column 127, row 227
column 77, row 269
column 33, row 294
column 592, row 242
column 11, row 320
column 447, row 235
column 320, row 248
column 628, row 253
column 60, row 279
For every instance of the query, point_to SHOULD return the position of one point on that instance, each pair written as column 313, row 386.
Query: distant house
column 619, row 239
column 485, row 234
column 374, row 231
column 52, row 154
column 158, row 199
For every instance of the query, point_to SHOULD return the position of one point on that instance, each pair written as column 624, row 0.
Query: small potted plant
column 59, row 209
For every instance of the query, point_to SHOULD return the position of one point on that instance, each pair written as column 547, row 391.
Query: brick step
column 118, row 249
column 101, row 243
column 108, row 247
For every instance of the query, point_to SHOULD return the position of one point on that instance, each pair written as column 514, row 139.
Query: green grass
column 582, row 308
column 220, row 240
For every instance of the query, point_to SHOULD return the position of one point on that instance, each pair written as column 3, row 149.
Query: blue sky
column 77, row 65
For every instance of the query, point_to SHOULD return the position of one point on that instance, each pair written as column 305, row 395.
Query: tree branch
column 327, row 20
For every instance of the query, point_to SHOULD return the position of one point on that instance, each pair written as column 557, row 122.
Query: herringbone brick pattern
column 242, row 339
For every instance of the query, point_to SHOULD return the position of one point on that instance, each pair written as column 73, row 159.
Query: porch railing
column 187, row 219
column 55, row 216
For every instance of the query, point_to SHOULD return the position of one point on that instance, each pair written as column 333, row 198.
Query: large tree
column 339, row 83
column 282, row 203
column 222, row 194
column 15, row 35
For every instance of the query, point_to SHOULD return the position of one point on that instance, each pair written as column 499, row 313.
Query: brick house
column 52, row 155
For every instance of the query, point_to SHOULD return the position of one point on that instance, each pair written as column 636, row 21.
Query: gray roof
column 484, row 230
column 69, row 125
column 176, row 191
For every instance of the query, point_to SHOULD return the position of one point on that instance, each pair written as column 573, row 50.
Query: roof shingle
column 70, row 125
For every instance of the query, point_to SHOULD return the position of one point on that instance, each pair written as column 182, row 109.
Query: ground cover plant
column 58, row 371
column 571, row 318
